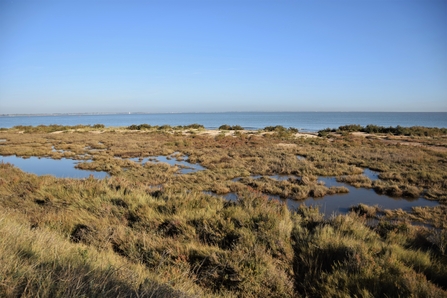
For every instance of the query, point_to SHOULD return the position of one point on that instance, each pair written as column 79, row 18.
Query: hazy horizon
column 220, row 112
column 222, row 56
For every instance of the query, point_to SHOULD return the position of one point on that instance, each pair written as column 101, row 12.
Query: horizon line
column 226, row 112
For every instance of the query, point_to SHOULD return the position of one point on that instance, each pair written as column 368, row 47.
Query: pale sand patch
column 360, row 134
column 79, row 130
column 216, row 132
column 209, row 132
column 305, row 135
column 286, row 145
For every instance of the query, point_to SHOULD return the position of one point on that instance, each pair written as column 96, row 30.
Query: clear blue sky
column 216, row 56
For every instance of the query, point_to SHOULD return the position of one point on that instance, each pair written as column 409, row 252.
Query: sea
column 304, row 121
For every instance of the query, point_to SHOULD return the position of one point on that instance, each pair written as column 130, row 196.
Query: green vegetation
column 165, row 127
column 148, row 231
column 279, row 128
column 229, row 127
column 54, row 128
column 398, row 130
column 280, row 132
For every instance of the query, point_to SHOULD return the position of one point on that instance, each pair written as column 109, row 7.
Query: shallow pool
column 61, row 168
column 340, row 203
column 185, row 167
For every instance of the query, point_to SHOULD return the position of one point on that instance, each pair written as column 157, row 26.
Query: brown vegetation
column 148, row 231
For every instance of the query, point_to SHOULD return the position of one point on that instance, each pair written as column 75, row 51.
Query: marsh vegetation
column 149, row 230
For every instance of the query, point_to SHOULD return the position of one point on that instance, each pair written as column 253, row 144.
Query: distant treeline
column 398, row 130
column 53, row 127
column 164, row 127
column 229, row 127
column 144, row 126
column 280, row 128
column 277, row 128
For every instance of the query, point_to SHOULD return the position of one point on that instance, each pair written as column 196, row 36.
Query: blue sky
column 217, row 56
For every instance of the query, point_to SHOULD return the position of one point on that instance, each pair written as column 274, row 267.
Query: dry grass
column 148, row 231
column 39, row 262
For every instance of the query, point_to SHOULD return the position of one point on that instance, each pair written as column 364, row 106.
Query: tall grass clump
column 344, row 257
column 40, row 263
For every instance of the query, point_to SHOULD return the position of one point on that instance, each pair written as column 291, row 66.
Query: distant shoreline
column 304, row 121
column 227, row 112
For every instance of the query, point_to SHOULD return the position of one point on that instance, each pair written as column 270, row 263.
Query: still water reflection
column 61, row 168
column 333, row 204
column 340, row 203
column 185, row 166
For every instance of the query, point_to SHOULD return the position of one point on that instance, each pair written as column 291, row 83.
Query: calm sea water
column 305, row 121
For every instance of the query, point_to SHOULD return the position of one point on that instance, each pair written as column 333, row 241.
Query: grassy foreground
column 149, row 232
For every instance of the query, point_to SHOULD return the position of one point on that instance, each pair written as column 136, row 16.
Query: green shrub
column 275, row 128
column 351, row 128
column 237, row 127
column 398, row 130
column 228, row 127
column 139, row 127
column 225, row 127
column 194, row 126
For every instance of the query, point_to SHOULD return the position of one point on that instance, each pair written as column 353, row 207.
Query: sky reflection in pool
column 61, row 168
column 373, row 175
column 340, row 203
column 171, row 160
column 229, row 196
column 333, row 204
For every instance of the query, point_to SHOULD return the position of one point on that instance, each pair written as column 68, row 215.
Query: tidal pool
column 185, row 167
column 65, row 168
column 276, row 177
column 229, row 196
column 61, row 168
column 373, row 175
column 340, row 203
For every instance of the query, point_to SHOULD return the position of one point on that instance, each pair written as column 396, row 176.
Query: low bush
column 54, row 127
column 229, row 127
column 398, row 130
column 194, row 126
column 139, row 127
